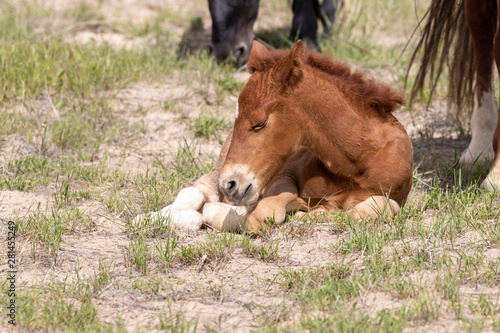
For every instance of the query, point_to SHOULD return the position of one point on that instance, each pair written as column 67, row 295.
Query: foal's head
column 266, row 131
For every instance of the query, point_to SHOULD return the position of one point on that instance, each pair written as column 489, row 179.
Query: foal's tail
column 445, row 41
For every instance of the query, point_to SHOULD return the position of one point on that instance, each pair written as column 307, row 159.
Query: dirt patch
column 373, row 302
column 14, row 204
column 15, row 146
column 165, row 112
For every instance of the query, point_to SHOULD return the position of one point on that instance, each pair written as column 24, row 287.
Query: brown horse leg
column 373, row 207
column 481, row 20
column 359, row 204
column 492, row 181
column 280, row 198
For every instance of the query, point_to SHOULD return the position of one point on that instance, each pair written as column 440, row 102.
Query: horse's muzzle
column 239, row 188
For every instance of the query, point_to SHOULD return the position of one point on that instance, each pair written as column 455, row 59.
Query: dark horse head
column 233, row 20
column 232, row 28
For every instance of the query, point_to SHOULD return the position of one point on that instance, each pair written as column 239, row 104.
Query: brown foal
column 309, row 132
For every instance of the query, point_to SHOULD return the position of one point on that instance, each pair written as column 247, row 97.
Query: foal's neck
column 336, row 129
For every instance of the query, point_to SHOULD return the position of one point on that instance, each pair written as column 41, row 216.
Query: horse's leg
column 373, row 207
column 329, row 9
column 281, row 197
column 305, row 22
column 358, row 203
column 277, row 206
column 482, row 21
column 225, row 217
column 492, row 181
column 184, row 212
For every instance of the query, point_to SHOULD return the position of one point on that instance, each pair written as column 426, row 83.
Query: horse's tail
column 445, row 42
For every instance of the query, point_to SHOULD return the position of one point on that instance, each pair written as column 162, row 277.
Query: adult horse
column 308, row 132
column 468, row 33
column 233, row 20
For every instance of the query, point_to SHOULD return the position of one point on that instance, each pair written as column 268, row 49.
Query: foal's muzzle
column 238, row 186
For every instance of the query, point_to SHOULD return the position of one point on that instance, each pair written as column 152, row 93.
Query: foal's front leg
column 185, row 211
column 280, row 198
column 226, row 217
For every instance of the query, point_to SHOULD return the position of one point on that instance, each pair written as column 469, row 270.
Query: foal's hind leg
column 358, row 204
column 373, row 207
column 482, row 26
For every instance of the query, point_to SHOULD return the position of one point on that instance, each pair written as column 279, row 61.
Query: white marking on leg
column 189, row 198
column 483, row 124
column 183, row 212
column 185, row 219
column 166, row 210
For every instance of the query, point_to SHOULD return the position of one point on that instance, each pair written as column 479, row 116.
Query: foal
column 308, row 132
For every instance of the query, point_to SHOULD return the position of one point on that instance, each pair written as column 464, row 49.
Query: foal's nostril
column 231, row 187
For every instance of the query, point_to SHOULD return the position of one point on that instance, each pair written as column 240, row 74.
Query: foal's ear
column 288, row 71
column 297, row 53
column 259, row 58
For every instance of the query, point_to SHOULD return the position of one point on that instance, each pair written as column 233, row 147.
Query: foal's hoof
column 189, row 219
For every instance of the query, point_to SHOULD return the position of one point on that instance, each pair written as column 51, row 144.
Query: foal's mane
column 366, row 92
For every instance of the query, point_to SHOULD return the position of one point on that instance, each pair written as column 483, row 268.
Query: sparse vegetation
column 205, row 127
column 98, row 129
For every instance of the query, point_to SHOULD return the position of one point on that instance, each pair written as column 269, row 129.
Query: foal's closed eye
column 260, row 125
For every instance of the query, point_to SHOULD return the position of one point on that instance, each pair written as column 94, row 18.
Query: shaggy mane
column 367, row 92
